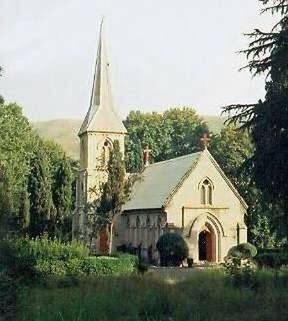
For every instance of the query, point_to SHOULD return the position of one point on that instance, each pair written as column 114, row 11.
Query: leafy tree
column 175, row 132
column 267, row 120
column 16, row 144
column 61, row 185
column 114, row 192
column 39, row 188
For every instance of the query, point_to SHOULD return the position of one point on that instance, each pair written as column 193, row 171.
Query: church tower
column 100, row 128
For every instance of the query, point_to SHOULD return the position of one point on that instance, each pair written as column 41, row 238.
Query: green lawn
column 209, row 296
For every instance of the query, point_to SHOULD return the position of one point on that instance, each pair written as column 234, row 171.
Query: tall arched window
column 105, row 153
column 206, row 193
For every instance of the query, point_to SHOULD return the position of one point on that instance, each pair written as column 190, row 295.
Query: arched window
column 206, row 193
column 210, row 194
column 105, row 153
column 203, row 195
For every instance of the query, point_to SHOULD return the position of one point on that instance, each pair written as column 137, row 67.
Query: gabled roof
column 158, row 181
column 101, row 116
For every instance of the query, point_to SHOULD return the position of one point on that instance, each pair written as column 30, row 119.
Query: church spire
column 101, row 116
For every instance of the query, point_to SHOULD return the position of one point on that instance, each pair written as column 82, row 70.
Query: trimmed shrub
column 243, row 251
column 110, row 266
column 172, row 248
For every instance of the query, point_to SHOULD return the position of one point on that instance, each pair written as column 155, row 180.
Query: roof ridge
column 173, row 159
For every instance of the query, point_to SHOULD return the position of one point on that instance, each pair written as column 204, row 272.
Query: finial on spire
column 205, row 140
column 146, row 155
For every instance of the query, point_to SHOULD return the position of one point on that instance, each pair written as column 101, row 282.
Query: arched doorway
column 104, row 240
column 206, row 244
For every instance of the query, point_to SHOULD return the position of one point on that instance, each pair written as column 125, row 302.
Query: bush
column 243, row 251
column 240, row 265
column 110, row 266
column 17, row 260
column 40, row 257
column 272, row 259
column 172, row 248
column 9, row 297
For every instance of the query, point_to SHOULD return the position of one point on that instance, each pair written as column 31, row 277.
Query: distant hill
column 64, row 131
column 215, row 123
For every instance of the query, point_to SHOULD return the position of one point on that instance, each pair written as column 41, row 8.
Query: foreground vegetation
column 209, row 296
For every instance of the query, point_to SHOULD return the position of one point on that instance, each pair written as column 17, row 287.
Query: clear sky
column 163, row 53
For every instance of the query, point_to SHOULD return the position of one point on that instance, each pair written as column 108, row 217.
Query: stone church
column 189, row 195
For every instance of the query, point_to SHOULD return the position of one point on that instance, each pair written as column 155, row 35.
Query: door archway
column 207, row 244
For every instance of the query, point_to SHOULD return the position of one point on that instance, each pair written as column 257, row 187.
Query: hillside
column 64, row 131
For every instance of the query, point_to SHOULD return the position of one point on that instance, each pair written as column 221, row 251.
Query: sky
column 163, row 53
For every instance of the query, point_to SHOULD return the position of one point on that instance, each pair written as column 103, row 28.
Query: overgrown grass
column 210, row 296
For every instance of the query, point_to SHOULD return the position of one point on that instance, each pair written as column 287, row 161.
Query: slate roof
column 158, row 181
column 102, row 116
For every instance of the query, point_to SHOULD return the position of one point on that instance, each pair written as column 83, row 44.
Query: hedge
column 40, row 258
column 110, row 266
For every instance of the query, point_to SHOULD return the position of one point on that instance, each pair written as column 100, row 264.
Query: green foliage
column 35, row 178
column 16, row 145
column 114, row 194
column 240, row 266
column 10, row 293
column 39, row 188
column 172, row 248
column 111, row 266
column 272, row 259
column 31, row 258
column 17, row 260
column 209, row 296
column 267, row 120
column 243, row 250
column 175, row 132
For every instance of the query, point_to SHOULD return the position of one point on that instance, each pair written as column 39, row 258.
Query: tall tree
column 114, row 191
column 39, row 188
column 16, row 147
column 175, row 132
column 268, row 119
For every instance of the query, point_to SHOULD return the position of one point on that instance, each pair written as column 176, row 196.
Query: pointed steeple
column 101, row 116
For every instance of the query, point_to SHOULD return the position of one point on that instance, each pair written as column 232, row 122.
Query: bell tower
column 100, row 128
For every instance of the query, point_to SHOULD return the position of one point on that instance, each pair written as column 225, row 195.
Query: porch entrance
column 205, row 245
column 104, row 241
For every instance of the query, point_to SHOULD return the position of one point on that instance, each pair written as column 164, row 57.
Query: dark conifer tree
column 39, row 188
column 268, row 119
column 114, row 191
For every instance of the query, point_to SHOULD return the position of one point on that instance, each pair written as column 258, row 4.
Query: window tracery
column 206, row 193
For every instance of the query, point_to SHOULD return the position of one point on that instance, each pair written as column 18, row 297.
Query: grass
column 209, row 297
